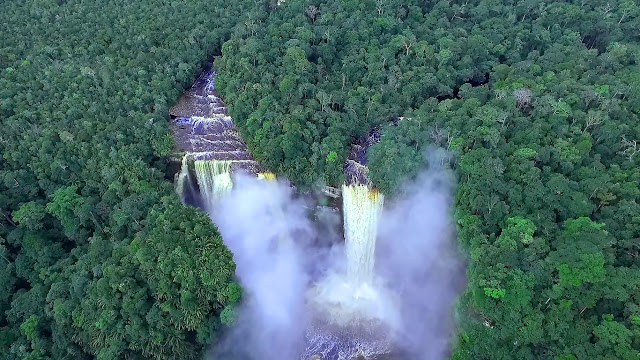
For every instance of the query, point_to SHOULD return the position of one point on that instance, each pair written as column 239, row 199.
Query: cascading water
column 205, row 132
column 353, row 296
column 214, row 178
column 362, row 207
column 183, row 177
column 352, row 310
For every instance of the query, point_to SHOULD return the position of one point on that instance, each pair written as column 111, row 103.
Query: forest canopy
column 537, row 101
column 99, row 258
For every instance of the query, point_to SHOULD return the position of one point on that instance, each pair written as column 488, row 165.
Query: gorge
column 350, row 310
column 517, row 146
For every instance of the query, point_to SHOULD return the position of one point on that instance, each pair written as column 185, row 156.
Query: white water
column 362, row 207
column 214, row 179
column 354, row 296
column 338, row 301
column 183, row 177
column 356, row 309
column 342, row 344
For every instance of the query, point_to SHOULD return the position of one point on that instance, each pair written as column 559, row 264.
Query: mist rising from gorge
column 267, row 231
column 417, row 254
column 275, row 247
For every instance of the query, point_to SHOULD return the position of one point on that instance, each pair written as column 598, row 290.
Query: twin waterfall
column 362, row 208
column 348, row 298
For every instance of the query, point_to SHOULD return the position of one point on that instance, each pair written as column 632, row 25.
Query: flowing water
column 205, row 133
column 352, row 309
column 362, row 207
column 334, row 343
column 214, row 179
column 183, row 177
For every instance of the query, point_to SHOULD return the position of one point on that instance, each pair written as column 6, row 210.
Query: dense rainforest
column 537, row 101
column 99, row 257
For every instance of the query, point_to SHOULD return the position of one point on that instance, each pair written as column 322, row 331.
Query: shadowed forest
column 538, row 103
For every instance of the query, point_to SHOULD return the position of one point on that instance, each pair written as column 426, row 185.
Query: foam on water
column 339, row 301
column 352, row 309
column 334, row 343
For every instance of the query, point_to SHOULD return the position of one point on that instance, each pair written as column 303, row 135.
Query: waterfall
column 183, row 177
column 214, row 178
column 353, row 310
column 362, row 207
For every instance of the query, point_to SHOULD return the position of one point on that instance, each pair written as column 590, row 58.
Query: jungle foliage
column 98, row 257
column 539, row 103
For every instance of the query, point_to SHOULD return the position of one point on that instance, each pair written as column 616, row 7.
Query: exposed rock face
column 203, row 129
column 355, row 169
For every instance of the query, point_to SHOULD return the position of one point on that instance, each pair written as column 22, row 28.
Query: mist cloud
column 280, row 254
column 267, row 230
column 417, row 255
